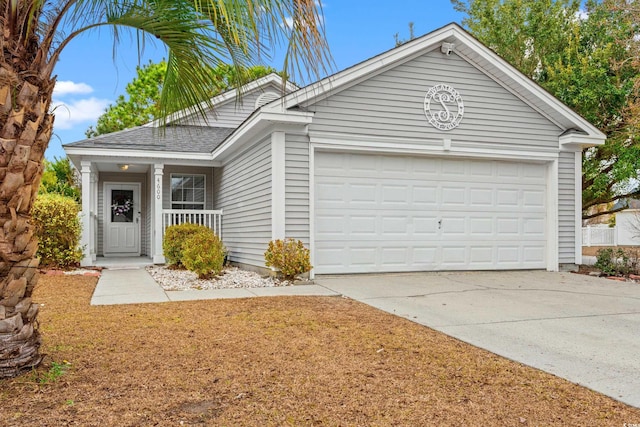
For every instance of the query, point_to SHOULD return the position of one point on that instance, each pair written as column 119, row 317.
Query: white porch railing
column 211, row 219
column 599, row 236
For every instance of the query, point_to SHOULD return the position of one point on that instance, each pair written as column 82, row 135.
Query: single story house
column 435, row 155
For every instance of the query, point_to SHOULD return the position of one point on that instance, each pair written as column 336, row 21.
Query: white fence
column 599, row 236
column 211, row 219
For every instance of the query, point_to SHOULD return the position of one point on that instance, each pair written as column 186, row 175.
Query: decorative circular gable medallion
column 443, row 107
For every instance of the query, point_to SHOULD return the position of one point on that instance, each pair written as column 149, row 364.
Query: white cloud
column 582, row 15
column 288, row 20
column 71, row 114
column 67, row 87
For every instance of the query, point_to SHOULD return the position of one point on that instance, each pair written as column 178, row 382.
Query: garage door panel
column 509, row 226
column 482, row 226
column 411, row 213
column 426, row 168
column 533, row 226
column 451, row 227
column 425, row 256
column 363, row 257
column 394, row 194
column 360, row 225
column 481, row 255
column 508, row 170
column 453, row 255
column 508, row 254
column 424, row 196
column 450, row 169
column 481, row 197
column 533, row 255
column 425, row 227
column 331, row 225
column 394, row 256
column 533, row 199
column 360, row 193
column 480, row 169
column 395, row 165
column 453, row 197
column 507, row 198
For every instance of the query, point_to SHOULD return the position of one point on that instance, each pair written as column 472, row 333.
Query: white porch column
column 87, row 223
column 158, row 256
column 93, row 238
column 277, row 185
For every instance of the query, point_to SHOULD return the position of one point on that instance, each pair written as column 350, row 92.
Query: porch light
column 123, row 167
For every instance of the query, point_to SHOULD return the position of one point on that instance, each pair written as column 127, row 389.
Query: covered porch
column 126, row 207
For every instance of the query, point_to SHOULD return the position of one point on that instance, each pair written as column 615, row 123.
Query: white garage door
column 381, row 213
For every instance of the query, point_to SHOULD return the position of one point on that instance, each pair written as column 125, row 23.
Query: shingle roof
column 193, row 139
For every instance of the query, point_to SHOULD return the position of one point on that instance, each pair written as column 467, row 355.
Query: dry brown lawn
column 274, row 362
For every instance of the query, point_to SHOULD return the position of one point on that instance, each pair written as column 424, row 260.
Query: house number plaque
column 443, row 107
column 158, row 188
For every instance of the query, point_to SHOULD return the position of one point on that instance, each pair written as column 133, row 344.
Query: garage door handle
column 439, row 224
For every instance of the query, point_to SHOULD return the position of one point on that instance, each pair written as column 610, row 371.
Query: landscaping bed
column 273, row 362
column 620, row 263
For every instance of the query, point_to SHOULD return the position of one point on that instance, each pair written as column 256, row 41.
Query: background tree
column 143, row 94
column 141, row 105
column 199, row 36
column 412, row 35
column 586, row 59
column 59, row 178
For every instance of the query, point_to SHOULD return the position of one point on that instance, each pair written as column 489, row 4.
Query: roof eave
column 225, row 97
column 135, row 154
column 578, row 141
column 257, row 123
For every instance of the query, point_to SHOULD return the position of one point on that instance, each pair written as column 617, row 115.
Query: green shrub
column 289, row 257
column 203, row 253
column 57, row 227
column 613, row 262
column 174, row 238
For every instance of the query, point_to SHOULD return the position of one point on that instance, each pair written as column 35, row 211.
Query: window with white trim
column 187, row 191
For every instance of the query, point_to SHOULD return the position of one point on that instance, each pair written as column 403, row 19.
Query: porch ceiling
column 122, row 167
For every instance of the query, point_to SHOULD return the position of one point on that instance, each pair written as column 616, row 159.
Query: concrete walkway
column 581, row 328
column 134, row 285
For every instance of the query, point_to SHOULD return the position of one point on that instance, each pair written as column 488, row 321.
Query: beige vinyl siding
column 391, row 105
column 566, row 208
column 233, row 112
column 297, row 187
column 186, row 170
column 145, row 241
column 242, row 189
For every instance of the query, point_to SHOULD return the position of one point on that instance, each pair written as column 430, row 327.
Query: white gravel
column 231, row 278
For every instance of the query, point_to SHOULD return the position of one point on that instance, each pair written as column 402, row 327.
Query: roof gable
column 389, row 106
column 471, row 50
column 231, row 107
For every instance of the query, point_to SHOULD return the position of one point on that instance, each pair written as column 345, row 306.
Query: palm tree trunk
column 25, row 130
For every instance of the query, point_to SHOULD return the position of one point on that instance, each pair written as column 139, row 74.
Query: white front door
column 122, row 219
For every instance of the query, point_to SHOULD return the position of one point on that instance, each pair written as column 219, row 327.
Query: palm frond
column 199, row 34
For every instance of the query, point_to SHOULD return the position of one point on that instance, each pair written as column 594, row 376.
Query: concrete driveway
column 577, row 327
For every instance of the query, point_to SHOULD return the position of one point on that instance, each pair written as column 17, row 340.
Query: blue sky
column 90, row 77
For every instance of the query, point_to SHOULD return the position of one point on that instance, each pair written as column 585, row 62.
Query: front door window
column 122, row 206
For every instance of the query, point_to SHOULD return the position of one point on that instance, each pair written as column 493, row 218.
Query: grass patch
column 274, row 362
